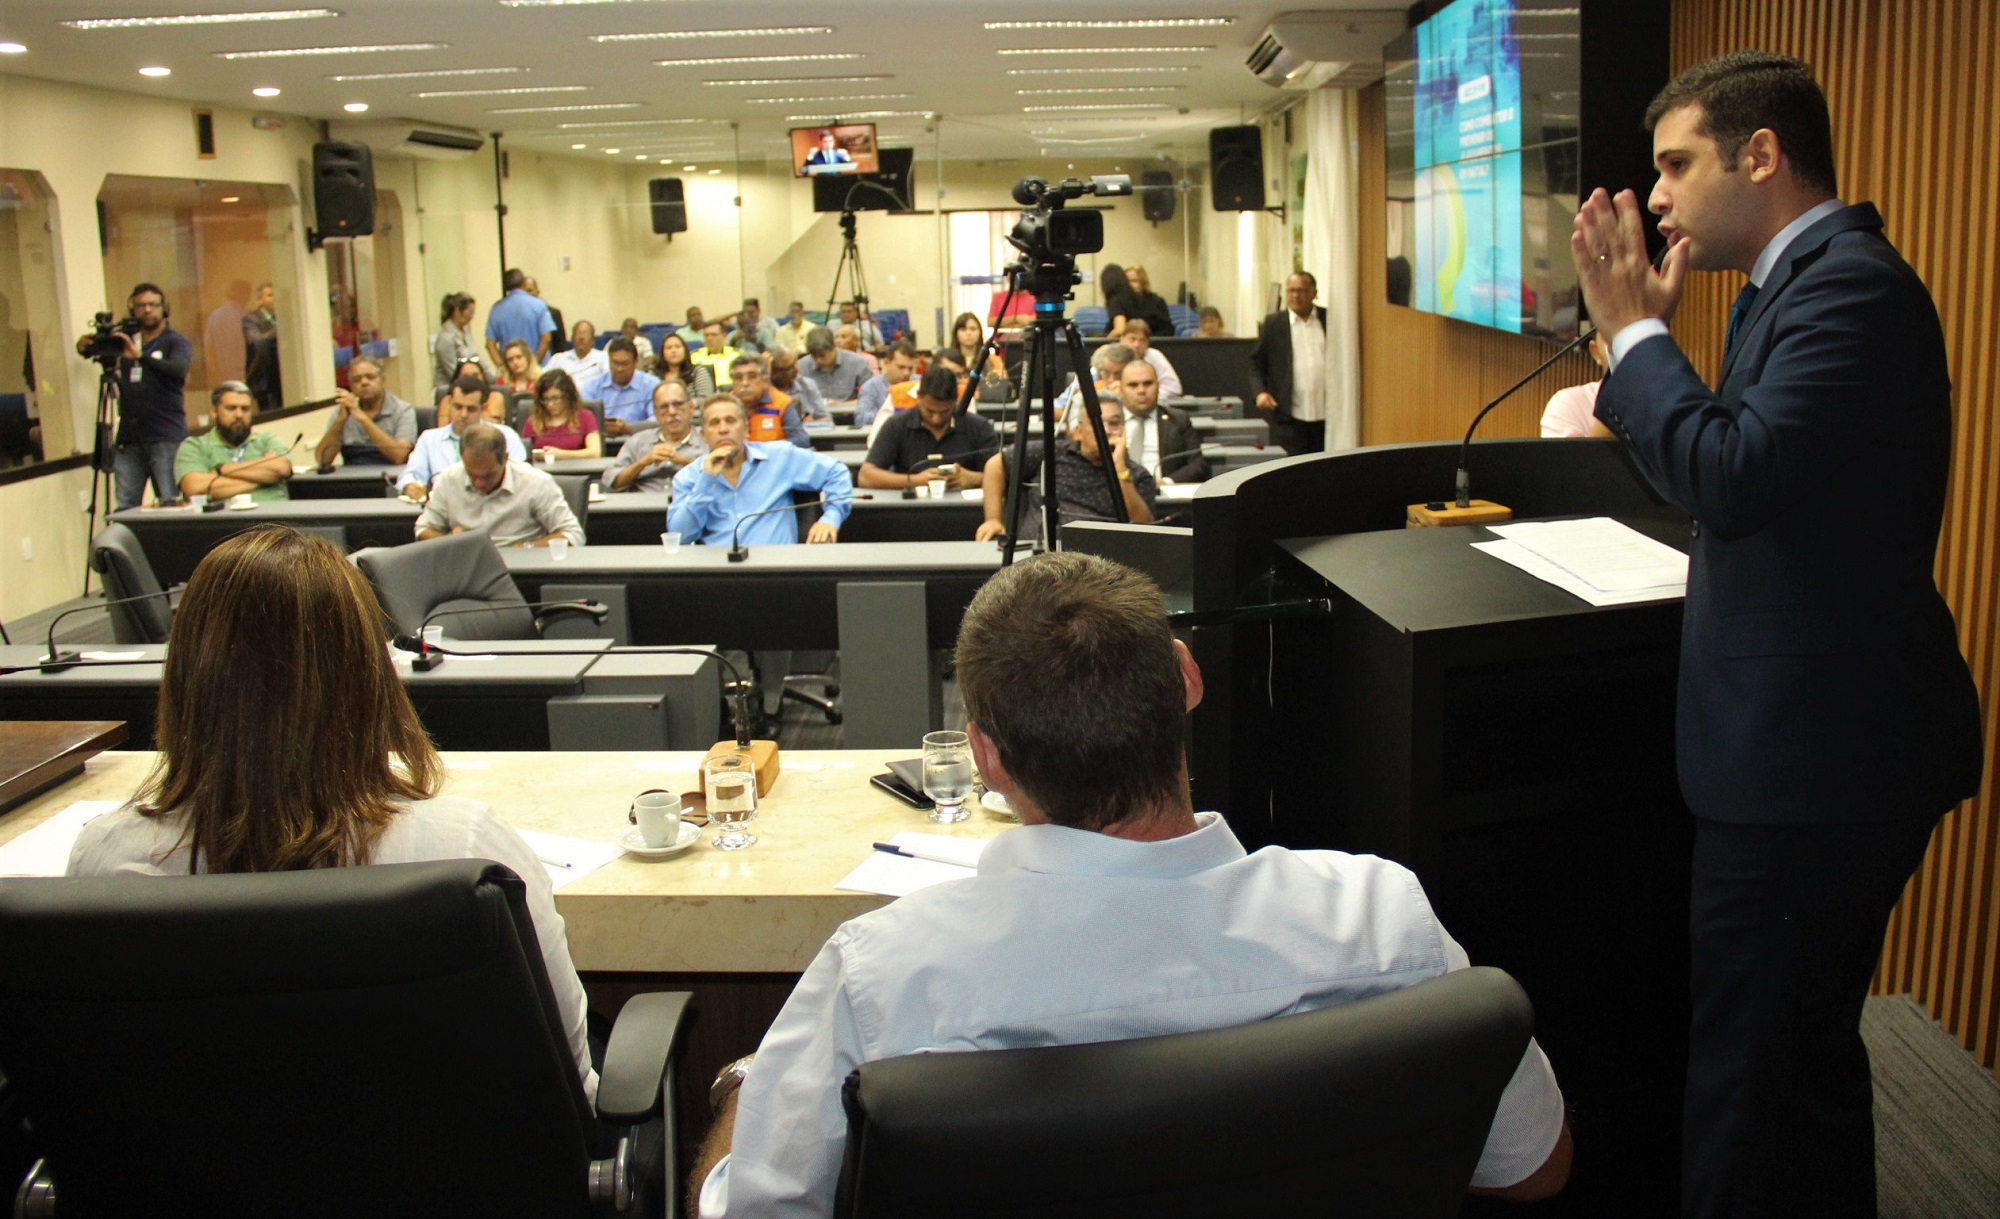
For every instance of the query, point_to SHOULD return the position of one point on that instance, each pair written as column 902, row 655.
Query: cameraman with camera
column 150, row 362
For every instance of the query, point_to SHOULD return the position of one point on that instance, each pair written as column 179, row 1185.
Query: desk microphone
column 55, row 661
column 429, row 658
column 1464, row 482
column 737, row 550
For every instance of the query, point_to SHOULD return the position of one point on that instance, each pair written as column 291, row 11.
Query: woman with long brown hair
column 559, row 427
column 519, row 370
column 287, row 742
column 673, row 362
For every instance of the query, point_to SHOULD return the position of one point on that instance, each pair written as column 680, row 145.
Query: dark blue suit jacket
column 1820, row 676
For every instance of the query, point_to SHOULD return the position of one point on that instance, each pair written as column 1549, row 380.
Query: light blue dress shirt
column 706, row 508
column 518, row 315
column 632, row 401
column 873, row 394
column 437, row 451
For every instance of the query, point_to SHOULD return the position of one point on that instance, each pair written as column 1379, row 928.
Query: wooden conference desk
column 736, row 928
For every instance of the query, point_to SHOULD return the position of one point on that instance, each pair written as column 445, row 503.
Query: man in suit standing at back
column 1288, row 369
column 1826, row 719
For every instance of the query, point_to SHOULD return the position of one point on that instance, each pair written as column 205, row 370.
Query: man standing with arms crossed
column 1825, row 718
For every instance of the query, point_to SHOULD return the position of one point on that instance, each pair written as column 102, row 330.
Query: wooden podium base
column 763, row 756
column 1479, row 512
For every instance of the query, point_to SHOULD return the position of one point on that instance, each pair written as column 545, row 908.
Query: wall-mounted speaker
column 1236, row 169
column 343, row 177
column 1156, row 194
column 670, row 213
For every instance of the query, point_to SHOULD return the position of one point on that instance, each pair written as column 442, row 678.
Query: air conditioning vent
column 1303, row 51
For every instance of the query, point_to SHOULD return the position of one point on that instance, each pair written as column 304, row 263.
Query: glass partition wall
column 35, row 422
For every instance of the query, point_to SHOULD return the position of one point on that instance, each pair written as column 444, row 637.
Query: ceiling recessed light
column 355, row 107
column 427, row 72
column 705, row 61
column 293, row 52
column 1098, row 106
column 800, row 80
column 611, row 151
column 1116, row 23
column 1102, row 50
column 766, row 31
column 714, row 171
column 265, row 91
column 688, row 169
column 503, row 92
column 563, row 109
column 641, row 157
column 12, row 48
column 1103, row 89
column 139, row 23
column 579, row 145
column 821, row 101
column 156, row 71
column 1151, row 69
column 232, row 198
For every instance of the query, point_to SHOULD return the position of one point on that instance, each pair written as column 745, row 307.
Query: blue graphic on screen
column 1467, row 260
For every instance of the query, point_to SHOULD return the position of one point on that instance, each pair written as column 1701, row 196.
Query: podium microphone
column 56, row 661
column 1464, row 481
column 737, row 550
column 429, row 658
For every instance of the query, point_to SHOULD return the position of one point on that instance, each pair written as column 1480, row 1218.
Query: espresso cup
column 659, row 818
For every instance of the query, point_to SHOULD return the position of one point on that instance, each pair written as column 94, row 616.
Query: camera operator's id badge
column 137, row 374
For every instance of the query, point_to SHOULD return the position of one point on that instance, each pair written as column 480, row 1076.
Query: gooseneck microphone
column 737, row 550
column 56, row 661
column 1464, row 485
column 429, row 658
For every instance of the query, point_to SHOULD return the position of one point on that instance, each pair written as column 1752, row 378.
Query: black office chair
column 331, row 1042
column 519, row 407
column 576, row 490
column 121, row 560
column 458, row 571
column 1374, row 1108
column 427, row 417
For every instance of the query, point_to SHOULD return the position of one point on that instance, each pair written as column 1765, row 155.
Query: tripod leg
column 1088, row 388
column 1017, row 474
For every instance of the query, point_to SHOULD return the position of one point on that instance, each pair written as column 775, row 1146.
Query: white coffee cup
column 659, row 818
column 434, row 636
column 197, row 502
column 558, row 548
column 241, row 501
column 670, row 542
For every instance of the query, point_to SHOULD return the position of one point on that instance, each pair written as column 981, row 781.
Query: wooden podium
column 1510, row 743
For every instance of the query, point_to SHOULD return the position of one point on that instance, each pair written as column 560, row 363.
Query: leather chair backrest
column 427, row 417
column 576, row 489
column 333, row 1042
column 519, row 407
column 121, row 560
column 1373, row 1108
column 459, row 571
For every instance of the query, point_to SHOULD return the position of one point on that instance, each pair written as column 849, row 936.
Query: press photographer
column 149, row 360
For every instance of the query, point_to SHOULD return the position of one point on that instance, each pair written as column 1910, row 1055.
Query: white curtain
column 1332, row 251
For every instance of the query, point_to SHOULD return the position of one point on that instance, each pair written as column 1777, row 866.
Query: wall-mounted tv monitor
column 1484, row 103
column 833, row 193
column 843, row 148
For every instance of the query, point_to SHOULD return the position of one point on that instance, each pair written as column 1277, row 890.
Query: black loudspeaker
column 1156, row 194
column 1236, row 169
column 343, row 189
column 670, row 213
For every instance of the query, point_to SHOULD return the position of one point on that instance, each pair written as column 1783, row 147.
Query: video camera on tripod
column 105, row 346
column 1050, row 237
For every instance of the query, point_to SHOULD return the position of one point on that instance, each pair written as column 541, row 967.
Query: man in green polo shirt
column 229, row 459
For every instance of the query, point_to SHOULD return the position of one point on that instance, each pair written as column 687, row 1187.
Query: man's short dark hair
column 514, row 278
column 139, row 288
column 903, row 347
column 745, row 358
column 1745, row 90
column 1308, row 276
column 948, row 355
column 712, row 322
column 229, row 387
column 621, row 343
column 939, row 383
column 795, row 305
column 483, row 440
column 819, row 339
column 1066, row 662
column 470, row 384
column 750, row 302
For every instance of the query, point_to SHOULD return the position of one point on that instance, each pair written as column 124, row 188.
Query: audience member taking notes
column 1115, row 910
column 287, row 742
column 513, row 502
column 438, row 449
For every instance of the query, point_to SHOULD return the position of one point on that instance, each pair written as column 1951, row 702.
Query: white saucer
column 242, row 507
column 995, row 803
column 633, row 843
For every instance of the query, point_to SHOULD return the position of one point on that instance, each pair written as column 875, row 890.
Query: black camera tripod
column 104, row 452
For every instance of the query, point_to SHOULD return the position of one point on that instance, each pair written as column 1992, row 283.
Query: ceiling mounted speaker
column 1236, row 169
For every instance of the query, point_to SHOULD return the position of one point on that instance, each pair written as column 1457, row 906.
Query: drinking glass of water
column 947, row 775
column 730, row 782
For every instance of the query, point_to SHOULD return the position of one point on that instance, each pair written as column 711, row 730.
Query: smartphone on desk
column 896, row 787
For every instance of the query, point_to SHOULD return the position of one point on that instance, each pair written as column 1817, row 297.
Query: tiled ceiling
column 625, row 67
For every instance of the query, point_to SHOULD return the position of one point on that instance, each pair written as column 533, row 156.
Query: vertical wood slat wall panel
column 1917, row 130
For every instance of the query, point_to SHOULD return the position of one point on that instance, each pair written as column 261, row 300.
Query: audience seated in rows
column 914, row 446
column 1080, row 491
column 1114, row 911
column 1139, row 340
column 280, row 642
column 903, row 395
column 653, row 455
column 715, row 353
column 494, row 408
column 783, row 369
column 754, row 332
column 519, row 370
column 968, row 335
column 623, row 389
column 230, row 459
column 770, row 415
column 439, row 449
column 848, row 338
column 838, row 374
column 371, row 426
column 511, row 501
column 695, row 324
column 737, row 479
column 640, row 343
column 559, row 427
column 792, row 332
column 866, row 331
column 582, row 360
column 1211, row 324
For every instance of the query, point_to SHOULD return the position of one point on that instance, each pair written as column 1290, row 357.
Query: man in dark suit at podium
column 1288, row 369
column 1826, row 719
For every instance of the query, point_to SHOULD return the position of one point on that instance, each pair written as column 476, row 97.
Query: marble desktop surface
column 765, row 909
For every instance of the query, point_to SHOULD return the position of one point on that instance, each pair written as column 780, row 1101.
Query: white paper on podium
column 44, row 850
column 565, row 858
column 900, row 875
column 1598, row 559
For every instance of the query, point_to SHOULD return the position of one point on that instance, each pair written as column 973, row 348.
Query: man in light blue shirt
column 737, row 479
column 625, row 391
column 438, row 449
column 518, row 315
column 898, row 366
column 837, row 374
